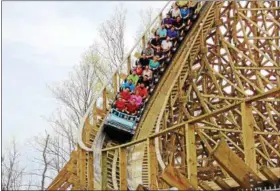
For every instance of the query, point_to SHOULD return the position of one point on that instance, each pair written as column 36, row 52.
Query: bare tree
column 76, row 94
column 12, row 171
column 46, row 163
column 111, row 46
column 146, row 16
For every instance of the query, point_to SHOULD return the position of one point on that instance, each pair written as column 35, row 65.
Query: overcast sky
column 41, row 43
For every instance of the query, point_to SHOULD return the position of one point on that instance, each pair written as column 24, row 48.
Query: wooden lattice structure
column 214, row 120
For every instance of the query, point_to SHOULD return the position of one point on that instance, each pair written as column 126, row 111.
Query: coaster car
column 120, row 126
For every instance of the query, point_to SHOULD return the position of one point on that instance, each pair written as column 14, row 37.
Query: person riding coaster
column 125, row 112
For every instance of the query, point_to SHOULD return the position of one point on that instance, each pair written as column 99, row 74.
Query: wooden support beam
column 233, row 165
column 74, row 180
column 271, row 177
column 205, row 186
column 173, row 177
column 221, row 183
column 122, row 167
column 65, row 186
column 128, row 64
column 248, row 136
column 143, row 41
column 200, row 118
column 191, row 154
column 94, row 112
column 152, row 164
column 90, row 171
column 115, row 83
column 160, row 18
column 82, row 168
column 100, row 112
column 64, row 172
column 104, row 171
column 104, row 96
column 61, row 179
column 140, row 187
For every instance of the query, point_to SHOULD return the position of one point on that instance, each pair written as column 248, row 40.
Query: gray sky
column 41, row 43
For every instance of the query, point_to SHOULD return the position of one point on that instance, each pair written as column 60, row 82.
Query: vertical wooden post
column 128, row 64
column 143, row 41
column 191, row 154
column 123, row 165
column 104, row 100
column 90, row 172
column 248, row 136
column 115, row 83
column 171, row 109
column 82, row 167
column 94, row 113
column 160, row 18
column 152, row 164
column 104, row 171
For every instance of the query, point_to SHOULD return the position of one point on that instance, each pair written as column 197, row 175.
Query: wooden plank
column 123, row 165
column 60, row 181
column 248, row 136
column 123, row 76
column 152, row 164
column 140, row 187
column 221, row 183
column 82, row 168
column 115, row 83
column 104, row 96
column 174, row 178
column 104, row 171
column 137, row 55
column 128, row 64
column 65, row 186
column 191, row 154
column 271, row 177
column 233, row 165
column 143, row 41
column 205, row 186
column 90, row 171
column 64, row 172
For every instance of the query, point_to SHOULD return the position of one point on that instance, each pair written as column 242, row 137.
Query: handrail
column 80, row 140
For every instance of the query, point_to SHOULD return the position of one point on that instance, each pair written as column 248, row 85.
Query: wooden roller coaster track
column 213, row 122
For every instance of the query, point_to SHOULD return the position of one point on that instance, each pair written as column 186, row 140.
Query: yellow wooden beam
column 65, row 186
column 122, row 167
column 115, row 83
column 205, row 186
column 271, row 177
column 64, row 172
column 104, row 171
column 90, row 171
column 140, row 187
column 104, row 96
column 128, row 64
column 173, row 177
column 152, row 164
column 234, row 165
column 191, row 154
column 143, row 41
column 248, row 136
column 82, row 168
column 221, row 183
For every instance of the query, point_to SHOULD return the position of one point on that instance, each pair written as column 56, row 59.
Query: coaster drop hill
column 211, row 120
